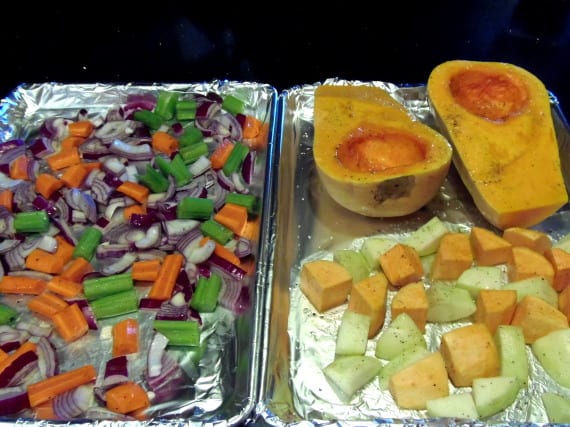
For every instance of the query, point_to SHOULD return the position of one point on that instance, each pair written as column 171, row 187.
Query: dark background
column 281, row 43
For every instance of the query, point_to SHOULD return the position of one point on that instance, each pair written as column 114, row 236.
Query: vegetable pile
column 148, row 211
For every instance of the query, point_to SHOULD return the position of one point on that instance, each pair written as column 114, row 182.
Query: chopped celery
column 179, row 332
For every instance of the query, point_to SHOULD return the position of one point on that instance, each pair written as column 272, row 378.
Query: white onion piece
column 155, row 352
column 197, row 254
column 121, row 265
column 200, row 166
column 151, row 238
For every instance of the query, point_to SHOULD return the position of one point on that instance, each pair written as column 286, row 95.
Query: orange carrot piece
column 63, row 286
column 251, row 229
column 64, row 159
column 70, row 323
column 47, row 304
column 248, row 264
column 251, row 127
column 163, row 286
column 164, row 142
column 40, row 260
column 22, row 285
column 47, row 184
column 233, row 217
column 126, row 397
column 64, row 248
column 81, row 128
column 133, row 209
column 221, row 153
column 44, row 411
column 19, row 168
column 72, row 141
column 3, row 355
column 6, row 199
column 24, row 348
column 259, row 142
column 223, row 252
column 89, row 166
column 74, row 175
column 135, row 191
column 76, row 269
column 146, row 271
column 47, row 389
column 125, row 337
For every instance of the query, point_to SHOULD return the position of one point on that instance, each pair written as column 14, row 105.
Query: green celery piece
column 235, row 159
column 195, row 208
column 179, row 332
column 154, row 180
column 102, row 286
column 87, row 244
column 31, row 222
column 7, row 314
column 250, row 201
column 152, row 120
column 191, row 135
column 205, row 297
column 232, row 104
column 115, row 304
column 191, row 153
column 216, row 231
column 166, row 104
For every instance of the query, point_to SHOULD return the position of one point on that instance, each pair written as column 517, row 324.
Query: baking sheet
column 222, row 388
column 309, row 224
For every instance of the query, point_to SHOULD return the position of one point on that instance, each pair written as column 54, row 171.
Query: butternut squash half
column 371, row 157
column 498, row 118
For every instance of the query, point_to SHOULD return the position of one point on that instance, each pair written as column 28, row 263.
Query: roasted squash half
column 371, row 156
column 498, row 118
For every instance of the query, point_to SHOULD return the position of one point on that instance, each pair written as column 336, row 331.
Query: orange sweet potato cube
column 368, row 296
column 411, row 299
column 560, row 260
column 495, row 307
column 489, row 248
column 402, row 265
column 453, row 257
column 537, row 318
column 528, row 263
column 536, row 240
column 325, row 283
column 564, row 302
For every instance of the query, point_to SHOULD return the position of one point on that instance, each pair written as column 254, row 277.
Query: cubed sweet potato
column 325, row 283
column 533, row 239
column 560, row 260
column 402, row 265
column 528, row 263
column 470, row 352
column 411, row 299
column 489, row 248
column 453, row 257
column 495, row 307
column 537, row 318
column 564, row 302
column 368, row 296
column 425, row 379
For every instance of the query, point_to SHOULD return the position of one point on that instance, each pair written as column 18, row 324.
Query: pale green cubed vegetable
column 425, row 239
column 460, row 405
column 480, row 277
column 354, row 262
column 448, row 303
column 352, row 334
column 557, row 407
column 401, row 361
column 553, row 352
column 401, row 334
column 373, row 247
column 348, row 374
column 512, row 352
column 537, row 286
column 494, row 394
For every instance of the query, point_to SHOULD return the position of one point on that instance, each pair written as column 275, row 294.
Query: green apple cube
column 373, row 247
column 459, row 405
column 481, row 277
column 512, row 352
column 348, row 374
column 557, row 407
column 494, row 394
column 448, row 303
column 354, row 262
column 553, row 352
column 401, row 361
column 425, row 239
column 427, row 264
column 352, row 334
column 401, row 334
column 537, row 286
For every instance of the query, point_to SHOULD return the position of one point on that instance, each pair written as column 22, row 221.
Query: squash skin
column 509, row 161
column 346, row 116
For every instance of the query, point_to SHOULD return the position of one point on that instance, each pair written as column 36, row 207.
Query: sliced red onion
column 155, row 353
column 152, row 237
column 143, row 220
column 235, row 296
column 116, row 129
column 131, row 152
column 72, row 403
column 11, row 338
column 100, row 190
column 248, row 166
column 13, row 400
column 42, row 147
column 33, row 328
column 197, row 254
column 146, row 303
column 20, row 367
column 82, row 201
column 86, row 309
column 186, row 243
column 218, row 195
column 121, row 265
column 178, row 227
column 42, row 204
column 239, row 183
column 169, row 311
column 166, row 384
column 226, row 267
column 151, row 254
column 117, row 366
column 200, row 166
column 225, row 181
column 93, row 149
column 16, row 258
column 47, row 358
column 17, row 145
column 243, row 247
column 114, row 165
column 8, row 244
column 54, row 127
column 111, row 250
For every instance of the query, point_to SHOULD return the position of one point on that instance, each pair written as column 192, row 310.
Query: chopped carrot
column 47, row 389
column 70, row 323
column 64, row 159
column 133, row 209
column 63, row 286
column 258, row 142
column 19, row 168
column 40, row 260
column 146, row 271
column 125, row 337
column 74, row 175
column 72, row 142
column 24, row 348
column 22, row 285
column 7, row 199
column 89, row 166
column 223, row 252
column 221, row 153
column 126, row 397
column 3, row 355
column 81, row 128
column 47, row 304
column 135, row 191
column 76, row 269
column 248, row 264
column 251, row 127
column 251, row 229
column 163, row 286
column 233, row 217
column 44, row 411
column 64, row 248
column 47, row 184
column 164, row 142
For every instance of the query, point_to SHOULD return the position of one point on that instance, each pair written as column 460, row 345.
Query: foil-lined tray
column 222, row 388
column 310, row 225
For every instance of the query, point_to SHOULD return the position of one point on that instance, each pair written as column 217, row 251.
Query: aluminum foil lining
column 311, row 226
column 222, row 382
